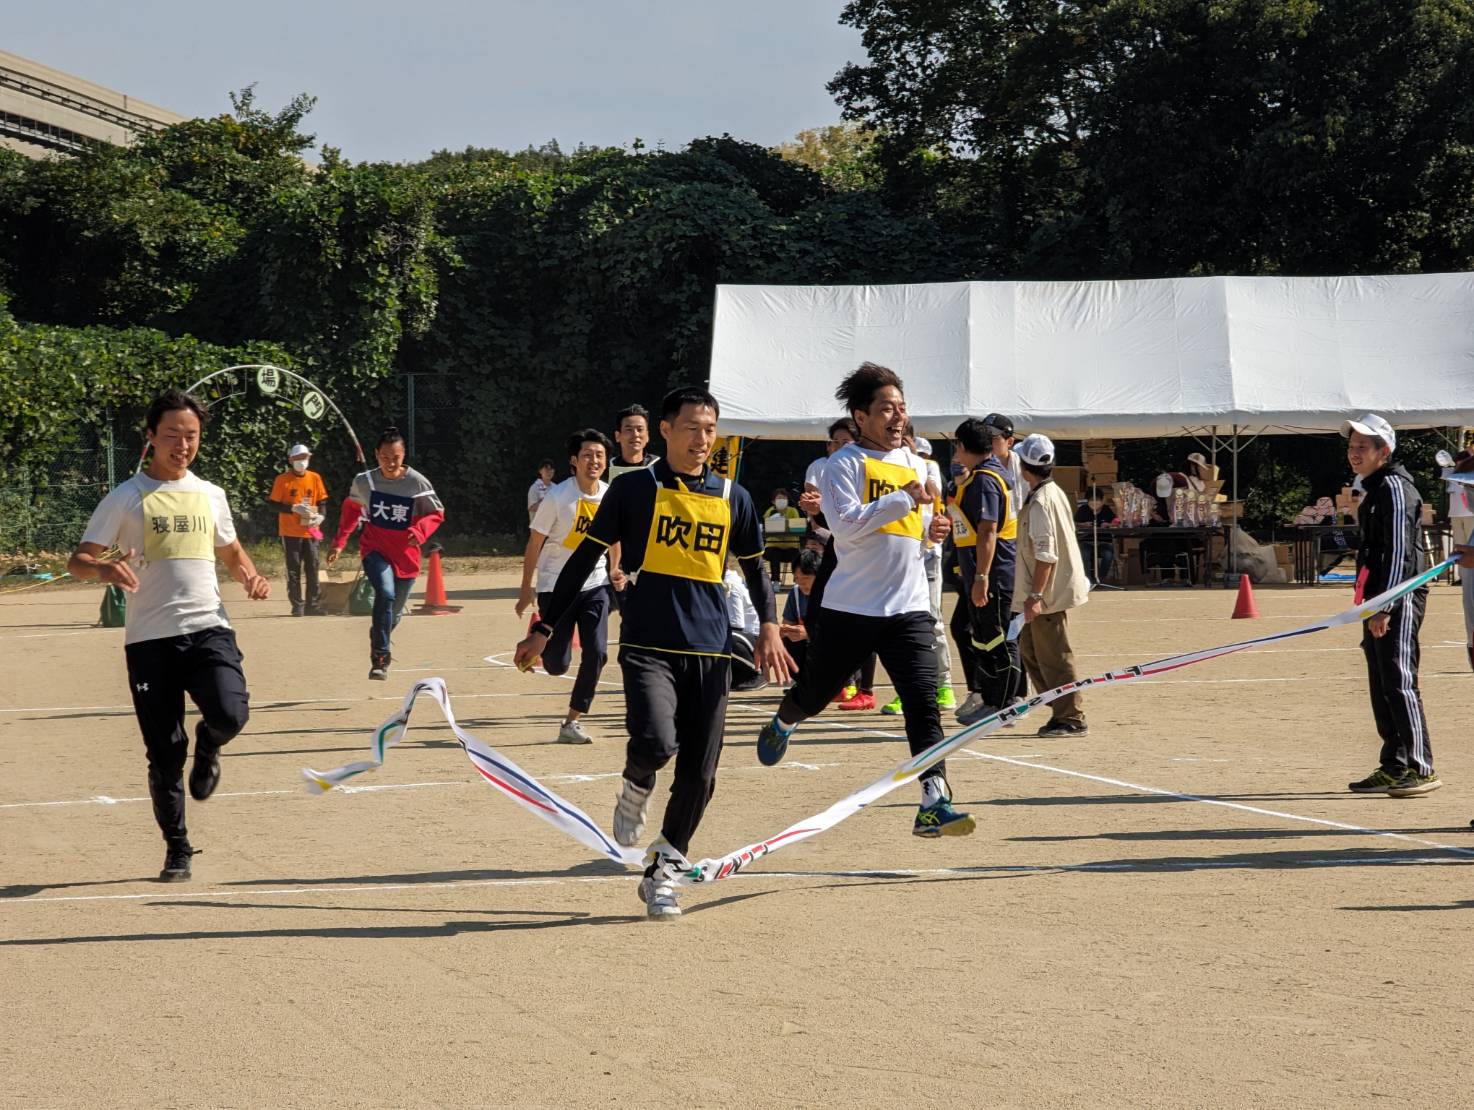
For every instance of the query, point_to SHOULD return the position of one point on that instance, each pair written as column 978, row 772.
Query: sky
column 398, row 79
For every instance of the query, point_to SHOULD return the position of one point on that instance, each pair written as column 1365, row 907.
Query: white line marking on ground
column 1326, row 822
column 1323, row 821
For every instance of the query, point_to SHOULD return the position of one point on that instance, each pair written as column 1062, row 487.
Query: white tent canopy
column 1105, row 358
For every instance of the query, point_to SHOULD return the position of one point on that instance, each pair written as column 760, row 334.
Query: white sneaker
column 629, row 814
column 971, row 703
column 573, row 733
column 658, row 889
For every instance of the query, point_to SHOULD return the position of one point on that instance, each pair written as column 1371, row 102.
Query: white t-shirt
column 535, row 493
column 814, row 476
column 1014, row 467
column 878, row 535
column 740, row 611
column 934, row 474
column 175, row 528
column 564, row 516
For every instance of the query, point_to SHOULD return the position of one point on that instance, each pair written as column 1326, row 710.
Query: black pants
column 675, row 706
column 590, row 616
column 207, row 666
column 1392, row 677
column 863, row 678
column 302, row 555
column 990, row 660
column 904, row 643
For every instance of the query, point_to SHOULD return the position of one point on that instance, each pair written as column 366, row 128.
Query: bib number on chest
column 178, row 524
column 882, row 478
column 583, row 516
column 688, row 535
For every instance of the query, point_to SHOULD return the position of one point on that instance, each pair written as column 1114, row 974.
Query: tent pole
column 1233, row 523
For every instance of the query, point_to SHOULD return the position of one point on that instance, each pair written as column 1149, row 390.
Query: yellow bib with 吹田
column 688, row 535
column 882, row 478
column 178, row 524
column 582, row 518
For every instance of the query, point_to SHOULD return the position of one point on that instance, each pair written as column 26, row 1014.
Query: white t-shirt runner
column 878, row 533
column 175, row 528
column 564, row 516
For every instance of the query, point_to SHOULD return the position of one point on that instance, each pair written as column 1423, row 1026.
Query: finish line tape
column 513, row 782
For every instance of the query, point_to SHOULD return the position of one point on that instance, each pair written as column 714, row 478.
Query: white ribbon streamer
column 531, row 795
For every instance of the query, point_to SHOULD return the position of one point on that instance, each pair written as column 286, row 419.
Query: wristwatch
column 1035, row 597
column 543, row 628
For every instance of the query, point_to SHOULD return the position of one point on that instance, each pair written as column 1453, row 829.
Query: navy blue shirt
column 664, row 612
column 983, row 500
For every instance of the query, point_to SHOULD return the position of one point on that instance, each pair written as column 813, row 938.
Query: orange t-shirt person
column 299, row 486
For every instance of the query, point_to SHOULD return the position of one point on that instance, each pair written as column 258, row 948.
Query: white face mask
column 780, row 503
column 299, row 465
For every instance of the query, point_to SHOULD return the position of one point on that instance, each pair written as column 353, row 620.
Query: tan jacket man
column 1049, row 582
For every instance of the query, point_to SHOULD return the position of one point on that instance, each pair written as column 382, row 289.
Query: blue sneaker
column 940, row 819
column 772, row 742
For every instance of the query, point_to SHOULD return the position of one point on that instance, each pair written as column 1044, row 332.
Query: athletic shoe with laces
column 379, row 666
column 862, row 702
column 969, row 703
column 972, row 716
column 571, row 732
column 940, row 819
column 1378, row 782
column 892, row 708
column 1413, row 784
column 176, row 863
column 1060, row 730
column 658, row 889
column 204, row 776
column 629, row 813
column 844, row 695
column 946, row 699
column 772, row 743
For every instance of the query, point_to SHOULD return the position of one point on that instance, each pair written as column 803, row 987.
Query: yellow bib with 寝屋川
column 583, row 517
column 178, row 524
column 688, row 535
column 882, row 478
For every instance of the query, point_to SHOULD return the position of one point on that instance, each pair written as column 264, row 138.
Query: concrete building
column 43, row 111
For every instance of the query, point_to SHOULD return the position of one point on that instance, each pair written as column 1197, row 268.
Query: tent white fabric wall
column 1108, row 358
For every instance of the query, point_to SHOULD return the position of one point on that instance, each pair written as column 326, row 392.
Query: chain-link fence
column 47, row 509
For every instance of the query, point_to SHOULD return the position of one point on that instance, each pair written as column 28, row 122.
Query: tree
column 843, row 154
column 1120, row 138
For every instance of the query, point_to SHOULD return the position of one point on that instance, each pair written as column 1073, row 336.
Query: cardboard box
column 1071, row 479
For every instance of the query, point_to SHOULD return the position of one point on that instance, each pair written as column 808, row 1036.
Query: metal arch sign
column 282, row 386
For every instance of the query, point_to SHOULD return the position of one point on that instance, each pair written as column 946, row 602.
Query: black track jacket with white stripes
column 1390, row 518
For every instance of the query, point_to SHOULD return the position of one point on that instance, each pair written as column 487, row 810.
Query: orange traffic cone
column 434, row 604
column 1245, row 608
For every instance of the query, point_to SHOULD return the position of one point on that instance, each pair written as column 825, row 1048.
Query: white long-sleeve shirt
column 878, row 532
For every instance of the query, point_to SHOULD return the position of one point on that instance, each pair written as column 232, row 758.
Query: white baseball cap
column 1372, row 425
column 298, row 449
column 923, row 446
column 1036, row 450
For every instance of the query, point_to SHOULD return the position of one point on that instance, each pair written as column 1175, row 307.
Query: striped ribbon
column 516, row 784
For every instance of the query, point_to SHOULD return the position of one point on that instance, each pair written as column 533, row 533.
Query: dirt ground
column 1183, row 909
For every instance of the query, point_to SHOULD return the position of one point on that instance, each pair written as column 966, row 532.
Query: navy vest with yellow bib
column 675, row 532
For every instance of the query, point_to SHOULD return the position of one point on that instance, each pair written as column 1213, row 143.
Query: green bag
column 361, row 598
column 114, row 610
